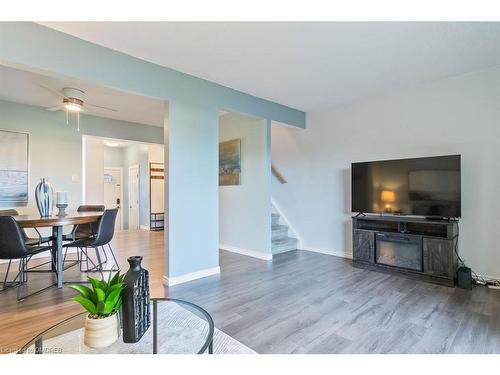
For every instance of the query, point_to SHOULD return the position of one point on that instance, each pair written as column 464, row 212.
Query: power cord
column 478, row 280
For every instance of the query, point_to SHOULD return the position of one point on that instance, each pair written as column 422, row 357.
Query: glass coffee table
column 178, row 327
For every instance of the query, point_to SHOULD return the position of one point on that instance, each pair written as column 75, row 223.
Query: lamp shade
column 388, row 196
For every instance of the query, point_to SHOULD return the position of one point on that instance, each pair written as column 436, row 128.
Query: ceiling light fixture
column 112, row 144
column 73, row 104
column 73, row 101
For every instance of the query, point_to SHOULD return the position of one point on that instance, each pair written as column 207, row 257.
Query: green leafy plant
column 103, row 299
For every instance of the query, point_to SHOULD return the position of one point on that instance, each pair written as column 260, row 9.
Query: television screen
column 422, row 186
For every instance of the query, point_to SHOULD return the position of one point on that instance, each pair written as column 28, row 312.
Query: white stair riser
column 282, row 246
column 280, row 232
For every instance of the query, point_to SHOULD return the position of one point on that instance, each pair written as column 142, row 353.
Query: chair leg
column 99, row 261
column 6, row 275
column 21, row 279
column 95, row 267
column 24, row 275
column 87, row 259
column 105, row 255
column 80, row 250
column 114, row 258
column 19, row 276
column 22, row 269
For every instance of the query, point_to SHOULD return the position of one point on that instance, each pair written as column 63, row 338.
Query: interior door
column 133, row 197
column 113, row 192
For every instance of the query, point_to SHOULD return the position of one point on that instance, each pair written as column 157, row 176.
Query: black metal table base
column 210, row 346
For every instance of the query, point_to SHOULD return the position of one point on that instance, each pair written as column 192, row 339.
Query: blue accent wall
column 191, row 137
column 193, row 179
column 39, row 48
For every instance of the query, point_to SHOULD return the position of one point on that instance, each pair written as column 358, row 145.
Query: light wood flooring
column 301, row 302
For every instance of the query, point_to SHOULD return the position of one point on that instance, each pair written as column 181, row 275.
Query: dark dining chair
column 29, row 241
column 14, row 247
column 81, row 231
column 102, row 238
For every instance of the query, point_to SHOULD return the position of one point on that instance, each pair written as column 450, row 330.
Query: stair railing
column 278, row 174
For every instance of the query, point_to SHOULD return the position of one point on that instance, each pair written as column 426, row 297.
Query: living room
column 319, row 188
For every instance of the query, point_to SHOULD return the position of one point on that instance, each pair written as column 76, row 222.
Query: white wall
column 459, row 115
column 136, row 155
column 93, row 159
column 132, row 155
column 245, row 210
column 157, row 187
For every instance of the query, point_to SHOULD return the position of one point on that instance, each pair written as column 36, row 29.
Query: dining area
column 50, row 298
column 84, row 246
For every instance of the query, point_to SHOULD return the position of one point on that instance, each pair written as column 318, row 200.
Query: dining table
column 57, row 223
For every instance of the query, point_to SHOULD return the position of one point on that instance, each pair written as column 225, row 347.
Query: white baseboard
column 145, row 227
column 250, row 253
column 487, row 277
column 329, row 252
column 170, row 281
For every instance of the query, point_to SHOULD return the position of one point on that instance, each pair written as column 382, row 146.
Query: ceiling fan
column 73, row 100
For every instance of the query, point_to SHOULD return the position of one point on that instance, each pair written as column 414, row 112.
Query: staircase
column 280, row 240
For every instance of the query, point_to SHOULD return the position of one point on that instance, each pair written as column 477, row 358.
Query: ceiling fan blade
column 52, row 91
column 100, row 106
column 53, row 109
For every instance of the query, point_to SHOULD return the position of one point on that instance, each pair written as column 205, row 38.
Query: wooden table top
column 72, row 218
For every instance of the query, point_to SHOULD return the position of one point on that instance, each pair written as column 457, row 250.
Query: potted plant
column 103, row 302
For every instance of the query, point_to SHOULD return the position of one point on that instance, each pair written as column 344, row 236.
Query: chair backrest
column 106, row 228
column 12, row 244
column 90, row 207
column 85, row 230
column 10, row 212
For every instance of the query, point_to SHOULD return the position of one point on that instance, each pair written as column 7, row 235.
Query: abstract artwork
column 230, row 162
column 14, row 161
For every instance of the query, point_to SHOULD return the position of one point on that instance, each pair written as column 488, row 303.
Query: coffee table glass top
column 181, row 328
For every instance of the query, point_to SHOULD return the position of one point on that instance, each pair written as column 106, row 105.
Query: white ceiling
column 304, row 65
column 25, row 87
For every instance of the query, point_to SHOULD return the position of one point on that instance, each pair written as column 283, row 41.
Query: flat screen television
column 427, row 187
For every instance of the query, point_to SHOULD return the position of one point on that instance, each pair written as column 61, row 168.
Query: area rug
column 179, row 332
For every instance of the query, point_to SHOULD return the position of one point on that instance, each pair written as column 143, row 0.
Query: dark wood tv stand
column 414, row 247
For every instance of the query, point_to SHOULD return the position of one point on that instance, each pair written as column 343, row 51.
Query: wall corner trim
column 171, row 281
column 250, row 253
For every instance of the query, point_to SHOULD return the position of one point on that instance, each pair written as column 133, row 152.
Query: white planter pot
column 100, row 333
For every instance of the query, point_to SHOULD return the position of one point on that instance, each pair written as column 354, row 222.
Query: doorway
column 113, row 192
column 113, row 161
column 133, row 197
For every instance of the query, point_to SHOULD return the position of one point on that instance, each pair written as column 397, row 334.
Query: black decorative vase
column 136, row 315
